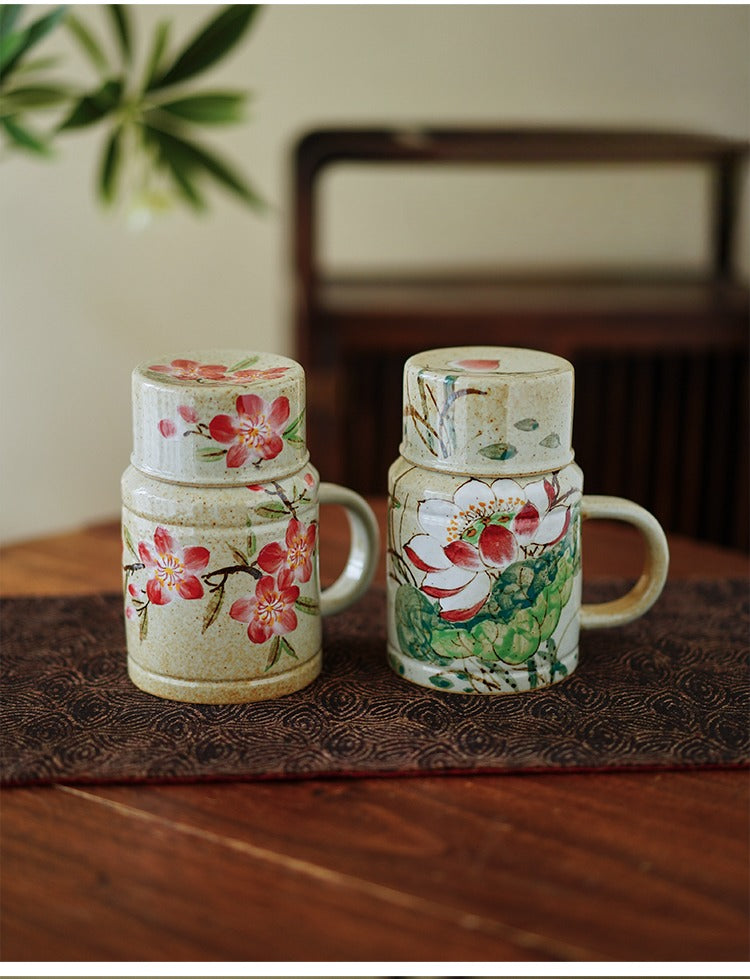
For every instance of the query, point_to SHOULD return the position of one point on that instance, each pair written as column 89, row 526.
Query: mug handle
column 647, row 589
column 360, row 566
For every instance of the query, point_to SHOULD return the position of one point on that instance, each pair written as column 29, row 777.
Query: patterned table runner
column 671, row 690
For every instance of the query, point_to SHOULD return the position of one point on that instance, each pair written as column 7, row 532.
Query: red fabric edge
column 375, row 773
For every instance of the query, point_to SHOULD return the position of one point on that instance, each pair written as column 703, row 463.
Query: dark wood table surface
column 622, row 867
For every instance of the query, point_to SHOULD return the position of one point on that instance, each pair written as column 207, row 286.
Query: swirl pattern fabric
column 671, row 690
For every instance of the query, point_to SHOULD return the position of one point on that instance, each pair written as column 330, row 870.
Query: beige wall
column 82, row 298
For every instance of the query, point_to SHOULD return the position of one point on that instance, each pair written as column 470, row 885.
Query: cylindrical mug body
column 484, row 569
column 219, row 526
column 222, row 598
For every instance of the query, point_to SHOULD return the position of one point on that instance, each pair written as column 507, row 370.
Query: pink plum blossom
column 476, row 365
column 255, row 432
column 270, row 611
column 296, row 556
column 258, row 374
column 191, row 370
column 172, row 567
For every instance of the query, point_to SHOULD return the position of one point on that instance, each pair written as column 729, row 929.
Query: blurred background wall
column 83, row 298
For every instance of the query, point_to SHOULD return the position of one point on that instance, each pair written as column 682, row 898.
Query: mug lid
column 216, row 417
column 488, row 410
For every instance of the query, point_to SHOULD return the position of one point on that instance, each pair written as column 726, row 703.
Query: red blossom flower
column 296, row 557
column 255, row 432
column 172, row 568
column 188, row 414
column 270, row 611
column 169, row 428
column 191, row 370
column 257, row 374
column 476, row 364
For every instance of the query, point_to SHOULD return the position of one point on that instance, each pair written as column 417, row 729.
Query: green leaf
column 527, row 424
column 158, row 47
column 13, row 46
column 182, row 177
column 274, row 654
column 119, row 15
column 128, row 540
column 242, row 365
column 110, row 166
column 212, row 108
column 24, row 139
column 189, row 158
column 213, row 608
column 239, row 557
column 500, row 451
column 272, row 511
column 308, row 605
column 251, row 541
column 514, row 643
column 8, row 16
column 87, row 42
column 36, row 64
column 210, row 45
column 291, row 432
column 416, row 620
column 143, row 628
column 95, row 106
column 441, row 681
column 208, row 454
column 551, row 442
column 287, row 648
column 31, row 97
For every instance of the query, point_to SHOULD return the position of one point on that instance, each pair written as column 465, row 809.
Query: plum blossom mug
column 484, row 520
column 220, row 531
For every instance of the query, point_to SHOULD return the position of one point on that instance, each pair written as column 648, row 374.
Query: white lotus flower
column 470, row 539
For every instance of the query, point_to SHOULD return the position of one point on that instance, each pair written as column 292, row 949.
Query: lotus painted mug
column 484, row 526
column 220, row 531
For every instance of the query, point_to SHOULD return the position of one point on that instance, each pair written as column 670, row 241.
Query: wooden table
column 626, row 867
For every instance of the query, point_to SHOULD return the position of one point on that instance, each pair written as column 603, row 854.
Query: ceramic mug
column 484, row 526
column 220, row 531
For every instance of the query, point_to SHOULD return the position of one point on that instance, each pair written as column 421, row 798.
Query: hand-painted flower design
column 270, row 611
column 170, row 429
column 172, row 568
column 476, row 365
column 191, row 370
column 543, row 520
column 258, row 374
column 296, row 557
column 255, row 432
column 472, row 538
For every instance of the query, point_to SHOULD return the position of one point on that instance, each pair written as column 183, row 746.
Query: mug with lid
column 220, row 531
column 484, row 526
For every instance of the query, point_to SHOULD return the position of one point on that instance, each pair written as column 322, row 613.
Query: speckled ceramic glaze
column 220, row 531
column 484, row 526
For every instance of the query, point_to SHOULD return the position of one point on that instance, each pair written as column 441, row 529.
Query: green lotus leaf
column 552, row 615
column 566, row 589
column 454, row 643
column 513, row 644
column 416, row 619
column 441, row 681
